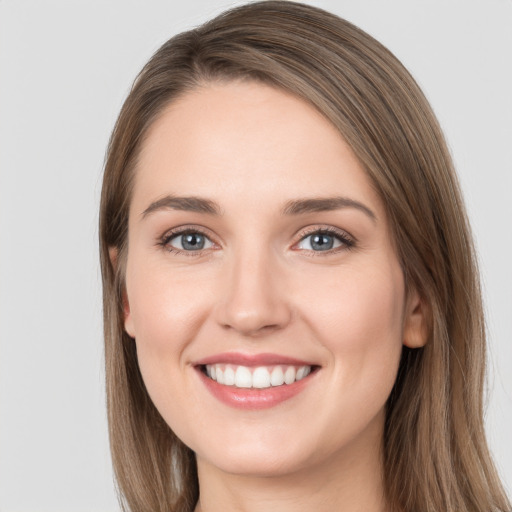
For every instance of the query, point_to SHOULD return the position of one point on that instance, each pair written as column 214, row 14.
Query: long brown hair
column 435, row 453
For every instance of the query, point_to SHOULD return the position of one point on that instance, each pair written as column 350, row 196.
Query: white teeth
column 302, row 372
column 243, row 377
column 229, row 376
column 277, row 377
column 289, row 375
column 261, row 377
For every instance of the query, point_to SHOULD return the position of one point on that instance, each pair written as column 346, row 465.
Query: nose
column 254, row 299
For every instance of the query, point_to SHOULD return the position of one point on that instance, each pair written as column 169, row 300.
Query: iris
column 322, row 242
column 192, row 241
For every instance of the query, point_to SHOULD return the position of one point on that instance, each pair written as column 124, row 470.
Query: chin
column 261, row 465
column 260, row 459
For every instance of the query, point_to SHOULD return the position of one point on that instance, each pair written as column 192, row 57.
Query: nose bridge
column 254, row 298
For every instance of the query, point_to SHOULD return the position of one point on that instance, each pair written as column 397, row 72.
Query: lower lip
column 250, row 398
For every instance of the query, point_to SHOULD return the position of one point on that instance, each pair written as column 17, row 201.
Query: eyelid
column 168, row 235
column 348, row 241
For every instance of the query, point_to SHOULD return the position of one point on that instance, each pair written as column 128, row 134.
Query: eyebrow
column 188, row 204
column 293, row 207
column 324, row 204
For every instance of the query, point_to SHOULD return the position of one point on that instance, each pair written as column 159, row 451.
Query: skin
column 258, row 286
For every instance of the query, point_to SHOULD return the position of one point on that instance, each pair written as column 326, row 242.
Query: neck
column 349, row 481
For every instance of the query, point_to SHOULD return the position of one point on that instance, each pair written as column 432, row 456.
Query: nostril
column 253, row 329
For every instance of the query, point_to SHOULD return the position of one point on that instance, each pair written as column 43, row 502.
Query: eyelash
column 169, row 235
column 347, row 241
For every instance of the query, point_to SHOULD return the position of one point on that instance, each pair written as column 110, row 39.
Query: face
column 263, row 291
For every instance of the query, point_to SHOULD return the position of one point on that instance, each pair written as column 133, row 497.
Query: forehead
column 246, row 139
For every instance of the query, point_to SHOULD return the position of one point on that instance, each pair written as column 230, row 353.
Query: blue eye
column 189, row 241
column 324, row 241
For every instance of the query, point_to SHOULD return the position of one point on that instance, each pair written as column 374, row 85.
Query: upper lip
column 240, row 359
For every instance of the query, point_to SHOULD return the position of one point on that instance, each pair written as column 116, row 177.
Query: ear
column 128, row 321
column 415, row 321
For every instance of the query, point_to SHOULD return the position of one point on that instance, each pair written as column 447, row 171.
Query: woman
column 291, row 301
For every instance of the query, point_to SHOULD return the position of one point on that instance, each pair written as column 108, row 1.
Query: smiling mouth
column 259, row 377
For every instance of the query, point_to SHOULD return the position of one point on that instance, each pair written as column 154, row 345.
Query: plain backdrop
column 65, row 68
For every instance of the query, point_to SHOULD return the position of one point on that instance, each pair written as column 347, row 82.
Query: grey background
column 65, row 68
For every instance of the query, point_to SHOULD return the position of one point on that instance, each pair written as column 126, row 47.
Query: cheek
column 364, row 303
column 359, row 320
column 166, row 307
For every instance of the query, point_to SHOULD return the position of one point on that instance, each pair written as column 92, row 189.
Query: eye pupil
column 193, row 241
column 322, row 242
